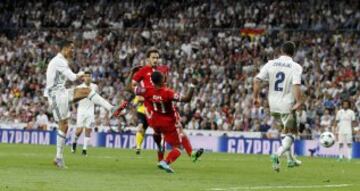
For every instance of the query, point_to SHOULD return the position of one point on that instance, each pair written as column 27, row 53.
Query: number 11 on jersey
column 162, row 106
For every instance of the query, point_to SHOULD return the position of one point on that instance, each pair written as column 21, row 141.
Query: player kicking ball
column 284, row 77
column 60, row 98
column 162, row 115
column 85, row 118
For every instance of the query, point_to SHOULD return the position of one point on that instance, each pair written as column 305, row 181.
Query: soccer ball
column 327, row 139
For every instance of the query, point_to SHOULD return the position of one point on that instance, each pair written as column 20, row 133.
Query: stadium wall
column 223, row 143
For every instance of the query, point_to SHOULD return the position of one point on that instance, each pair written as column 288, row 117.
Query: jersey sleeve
column 353, row 118
column 141, row 91
column 173, row 96
column 264, row 73
column 139, row 75
column 166, row 73
column 165, row 70
column 96, row 88
column 64, row 68
column 297, row 76
column 337, row 118
column 135, row 100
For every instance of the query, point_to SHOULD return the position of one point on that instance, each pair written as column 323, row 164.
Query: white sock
column 349, row 151
column 285, row 145
column 60, row 143
column 341, row 151
column 288, row 155
column 86, row 142
column 97, row 99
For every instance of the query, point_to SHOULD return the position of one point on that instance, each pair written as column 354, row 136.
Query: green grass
column 29, row 167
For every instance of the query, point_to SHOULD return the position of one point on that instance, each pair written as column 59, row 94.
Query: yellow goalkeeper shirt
column 139, row 106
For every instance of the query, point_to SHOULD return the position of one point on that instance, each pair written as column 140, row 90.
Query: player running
column 57, row 73
column 345, row 119
column 162, row 115
column 143, row 77
column 284, row 77
column 85, row 118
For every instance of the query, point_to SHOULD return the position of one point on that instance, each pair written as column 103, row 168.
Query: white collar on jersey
column 60, row 55
column 285, row 57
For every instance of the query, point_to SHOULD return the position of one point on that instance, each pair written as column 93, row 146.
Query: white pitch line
column 280, row 187
column 28, row 154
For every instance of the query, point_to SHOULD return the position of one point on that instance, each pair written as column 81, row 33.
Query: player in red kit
column 143, row 77
column 162, row 115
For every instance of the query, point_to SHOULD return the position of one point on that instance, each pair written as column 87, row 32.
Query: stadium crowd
column 298, row 14
column 110, row 42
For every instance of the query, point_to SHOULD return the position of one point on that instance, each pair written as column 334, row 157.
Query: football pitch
column 29, row 167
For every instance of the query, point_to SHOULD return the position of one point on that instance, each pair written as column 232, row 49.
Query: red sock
column 160, row 156
column 173, row 155
column 186, row 144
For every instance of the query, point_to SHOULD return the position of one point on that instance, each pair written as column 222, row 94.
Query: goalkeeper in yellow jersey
column 138, row 101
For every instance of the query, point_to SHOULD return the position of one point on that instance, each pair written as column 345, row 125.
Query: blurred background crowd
column 202, row 39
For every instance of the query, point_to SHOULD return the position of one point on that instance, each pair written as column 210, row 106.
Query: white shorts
column 60, row 102
column 345, row 138
column 87, row 121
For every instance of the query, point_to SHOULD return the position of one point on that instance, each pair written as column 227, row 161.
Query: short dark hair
column 64, row 43
column 150, row 51
column 157, row 77
column 288, row 48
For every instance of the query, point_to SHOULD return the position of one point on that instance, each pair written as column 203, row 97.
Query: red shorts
column 170, row 137
column 166, row 126
column 162, row 121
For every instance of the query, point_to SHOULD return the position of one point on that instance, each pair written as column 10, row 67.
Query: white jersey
column 58, row 71
column 85, row 106
column 344, row 119
column 282, row 74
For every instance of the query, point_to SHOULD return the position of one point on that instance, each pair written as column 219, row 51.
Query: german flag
column 252, row 32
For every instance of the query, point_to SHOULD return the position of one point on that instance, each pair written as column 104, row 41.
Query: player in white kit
column 85, row 116
column 284, row 79
column 345, row 119
column 60, row 98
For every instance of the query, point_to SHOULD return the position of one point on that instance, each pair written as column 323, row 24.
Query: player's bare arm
column 130, row 83
column 190, row 93
column 297, row 95
column 256, row 91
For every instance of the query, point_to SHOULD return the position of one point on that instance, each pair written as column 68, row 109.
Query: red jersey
column 143, row 76
column 160, row 99
column 159, row 102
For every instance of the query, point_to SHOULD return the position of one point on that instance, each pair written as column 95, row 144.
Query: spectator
column 326, row 121
column 191, row 44
column 273, row 132
column 42, row 121
column 193, row 124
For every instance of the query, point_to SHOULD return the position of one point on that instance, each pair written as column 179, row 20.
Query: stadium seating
column 114, row 36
